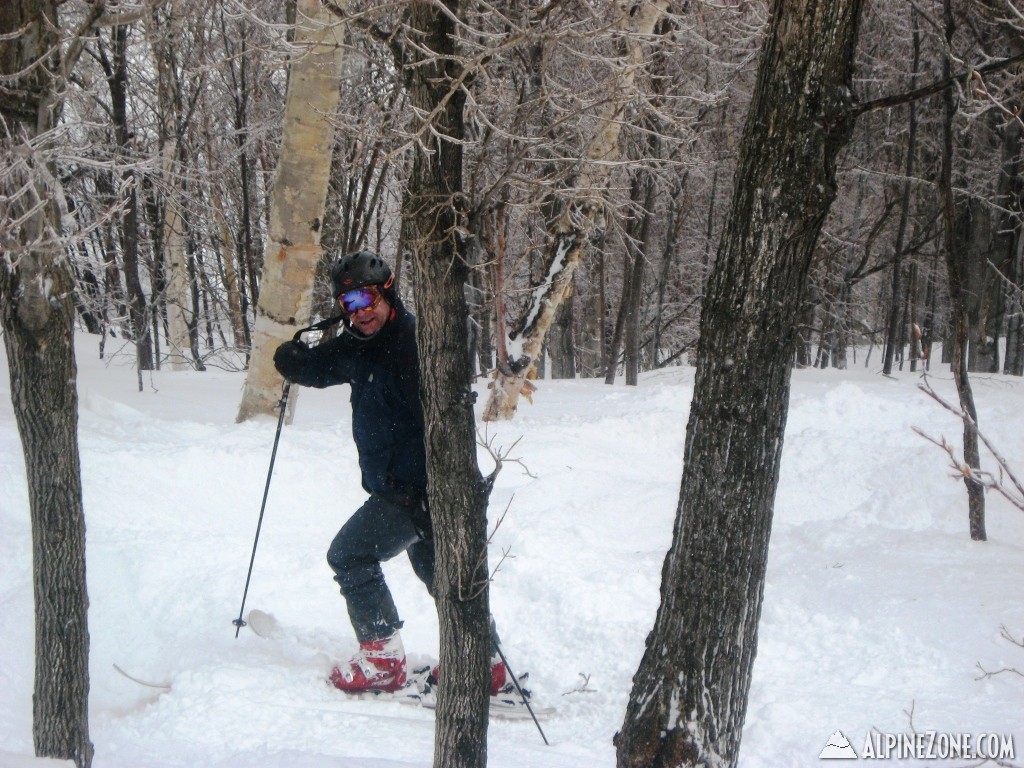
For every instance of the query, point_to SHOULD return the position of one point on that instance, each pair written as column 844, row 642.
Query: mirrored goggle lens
column 360, row 298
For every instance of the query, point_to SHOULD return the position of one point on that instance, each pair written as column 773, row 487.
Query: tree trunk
column 138, row 314
column 38, row 336
column 1011, row 238
column 615, row 343
column 1014, row 362
column 1007, row 231
column 672, row 245
column 233, row 285
column 641, row 248
column 297, row 207
column 931, row 310
column 244, row 241
column 37, row 313
column 802, row 354
column 643, row 190
column 973, row 247
column 562, row 349
column 162, row 31
column 892, row 326
column 912, row 316
column 176, row 283
column 592, row 331
column 958, row 301
column 689, row 695
column 457, row 493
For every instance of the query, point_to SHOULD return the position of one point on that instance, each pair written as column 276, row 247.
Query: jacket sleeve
column 321, row 366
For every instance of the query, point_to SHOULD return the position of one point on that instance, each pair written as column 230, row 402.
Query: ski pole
column 240, row 622
column 526, row 701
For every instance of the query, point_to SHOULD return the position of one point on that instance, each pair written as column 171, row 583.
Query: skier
column 376, row 354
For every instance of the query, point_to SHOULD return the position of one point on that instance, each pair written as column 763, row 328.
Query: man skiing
column 376, row 354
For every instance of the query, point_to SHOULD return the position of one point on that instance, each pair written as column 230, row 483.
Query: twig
column 986, row 674
column 500, row 456
column 583, row 687
column 1007, row 636
column 148, row 684
column 1006, row 484
column 480, row 585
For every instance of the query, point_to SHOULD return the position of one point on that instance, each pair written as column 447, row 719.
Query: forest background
column 171, row 133
column 569, row 164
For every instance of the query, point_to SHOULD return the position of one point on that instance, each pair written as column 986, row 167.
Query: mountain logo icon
column 838, row 748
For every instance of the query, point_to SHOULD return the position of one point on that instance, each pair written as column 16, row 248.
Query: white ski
column 508, row 705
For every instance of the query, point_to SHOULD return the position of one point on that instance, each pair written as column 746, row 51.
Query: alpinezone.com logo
column 926, row 745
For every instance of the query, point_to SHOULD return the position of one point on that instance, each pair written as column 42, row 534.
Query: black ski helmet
column 359, row 269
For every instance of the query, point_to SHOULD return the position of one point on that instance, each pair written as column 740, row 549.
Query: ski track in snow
column 876, row 601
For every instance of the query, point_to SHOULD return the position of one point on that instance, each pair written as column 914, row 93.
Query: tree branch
column 895, row 100
column 1006, row 478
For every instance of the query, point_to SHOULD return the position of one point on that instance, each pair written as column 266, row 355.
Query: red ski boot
column 500, row 680
column 379, row 666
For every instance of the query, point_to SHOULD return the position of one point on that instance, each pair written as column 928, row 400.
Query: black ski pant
column 380, row 530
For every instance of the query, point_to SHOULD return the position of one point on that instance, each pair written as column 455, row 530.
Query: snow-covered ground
column 877, row 603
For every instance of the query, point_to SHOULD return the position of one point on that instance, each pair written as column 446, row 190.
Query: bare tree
column 164, row 33
column 37, row 311
column 957, row 288
column 458, row 494
column 690, row 693
column 115, row 68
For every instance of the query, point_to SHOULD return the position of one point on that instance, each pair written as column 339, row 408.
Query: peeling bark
column 298, row 199
column 568, row 234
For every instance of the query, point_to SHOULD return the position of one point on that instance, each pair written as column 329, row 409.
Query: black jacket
column 387, row 418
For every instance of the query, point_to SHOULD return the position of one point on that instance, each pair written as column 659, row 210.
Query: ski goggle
column 367, row 297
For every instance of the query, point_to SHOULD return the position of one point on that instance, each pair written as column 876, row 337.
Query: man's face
column 370, row 320
column 367, row 314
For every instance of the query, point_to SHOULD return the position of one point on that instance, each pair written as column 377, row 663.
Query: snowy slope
column 877, row 602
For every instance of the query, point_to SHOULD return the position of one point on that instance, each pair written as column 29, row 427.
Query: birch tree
column 690, row 692
column 297, row 207
column 570, row 231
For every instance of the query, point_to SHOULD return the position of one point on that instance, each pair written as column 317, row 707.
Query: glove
column 290, row 359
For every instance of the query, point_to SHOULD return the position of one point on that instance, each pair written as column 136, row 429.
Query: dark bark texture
column 956, row 269
column 37, row 312
column 458, row 495
column 690, row 693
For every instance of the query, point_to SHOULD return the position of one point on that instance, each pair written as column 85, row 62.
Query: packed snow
column 880, row 614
